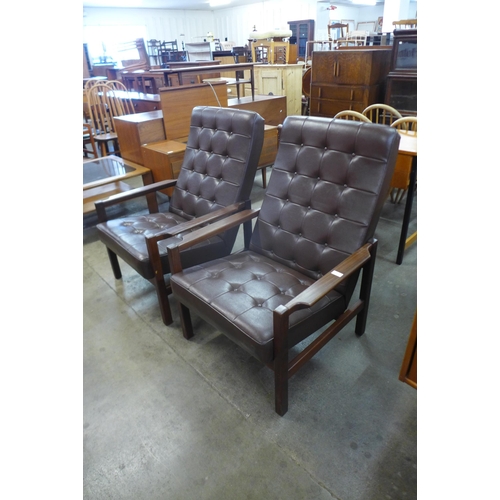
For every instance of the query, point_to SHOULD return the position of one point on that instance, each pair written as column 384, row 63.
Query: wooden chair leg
column 280, row 363
column 113, row 259
column 187, row 326
column 365, row 290
column 161, row 293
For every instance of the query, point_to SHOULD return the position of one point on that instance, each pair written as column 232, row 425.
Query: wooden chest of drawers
column 348, row 79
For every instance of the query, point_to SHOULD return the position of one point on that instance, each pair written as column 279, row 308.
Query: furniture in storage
column 271, row 107
column 164, row 159
column 348, row 79
column 104, row 177
column 281, row 79
column 147, row 131
column 193, row 75
column 216, row 179
column 303, row 31
column 135, row 130
column 313, row 237
column 401, row 92
column 270, row 51
column 408, row 372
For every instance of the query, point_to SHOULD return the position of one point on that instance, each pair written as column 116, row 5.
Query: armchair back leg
column 113, row 259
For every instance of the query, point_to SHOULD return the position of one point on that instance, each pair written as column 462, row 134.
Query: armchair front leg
column 280, row 363
column 366, row 288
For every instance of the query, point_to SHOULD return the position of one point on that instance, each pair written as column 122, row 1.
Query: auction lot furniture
column 103, row 177
column 281, row 79
column 408, row 148
column 216, row 176
column 313, row 237
column 348, row 78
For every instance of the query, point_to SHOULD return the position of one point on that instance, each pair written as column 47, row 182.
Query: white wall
column 234, row 23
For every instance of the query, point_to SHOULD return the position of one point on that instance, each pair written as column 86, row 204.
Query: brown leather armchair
column 215, row 180
column 312, row 238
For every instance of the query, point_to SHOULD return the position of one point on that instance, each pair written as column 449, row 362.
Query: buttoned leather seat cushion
column 238, row 294
column 127, row 238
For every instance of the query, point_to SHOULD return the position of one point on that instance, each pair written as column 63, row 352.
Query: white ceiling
column 164, row 4
column 182, row 4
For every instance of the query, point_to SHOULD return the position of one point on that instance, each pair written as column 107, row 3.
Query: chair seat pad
column 127, row 238
column 256, row 286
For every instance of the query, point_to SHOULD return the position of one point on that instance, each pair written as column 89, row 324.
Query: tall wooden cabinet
column 401, row 90
column 303, row 31
column 281, row 79
column 348, row 79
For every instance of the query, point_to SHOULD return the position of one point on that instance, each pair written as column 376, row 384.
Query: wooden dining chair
column 101, row 117
column 337, row 26
column 119, row 99
column 382, row 113
column 401, row 177
column 88, row 139
column 349, row 114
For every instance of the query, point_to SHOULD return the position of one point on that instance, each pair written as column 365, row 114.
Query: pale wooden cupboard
column 283, row 80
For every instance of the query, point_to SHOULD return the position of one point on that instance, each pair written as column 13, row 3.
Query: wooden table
column 103, row 177
column 216, row 68
column 408, row 147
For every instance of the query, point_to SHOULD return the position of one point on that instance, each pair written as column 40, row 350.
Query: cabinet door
column 292, row 88
column 341, row 67
column 268, row 81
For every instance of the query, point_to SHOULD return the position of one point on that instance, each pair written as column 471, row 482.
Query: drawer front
column 324, row 107
column 141, row 106
column 341, row 92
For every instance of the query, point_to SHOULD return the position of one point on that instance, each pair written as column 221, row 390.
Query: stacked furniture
column 401, row 90
column 348, row 79
column 281, row 79
column 271, row 47
column 302, row 32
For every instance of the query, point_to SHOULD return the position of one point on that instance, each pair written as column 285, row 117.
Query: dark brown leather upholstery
column 323, row 202
column 218, row 170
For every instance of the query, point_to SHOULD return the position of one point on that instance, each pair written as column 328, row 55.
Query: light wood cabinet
column 281, row 79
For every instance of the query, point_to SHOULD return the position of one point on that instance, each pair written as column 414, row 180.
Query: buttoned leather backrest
column 327, row 188
column 220, row 161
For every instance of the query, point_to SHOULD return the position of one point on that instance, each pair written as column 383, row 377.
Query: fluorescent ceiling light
column 218, row 3
column 364, row 2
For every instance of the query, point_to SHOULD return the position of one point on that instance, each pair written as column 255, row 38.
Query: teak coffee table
column 103, row 177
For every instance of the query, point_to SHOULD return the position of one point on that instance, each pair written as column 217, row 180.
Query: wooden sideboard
column 348, row 78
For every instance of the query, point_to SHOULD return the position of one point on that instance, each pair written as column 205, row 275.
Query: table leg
column 407, row 213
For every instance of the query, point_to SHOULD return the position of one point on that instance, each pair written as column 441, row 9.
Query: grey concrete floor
column 167, row 418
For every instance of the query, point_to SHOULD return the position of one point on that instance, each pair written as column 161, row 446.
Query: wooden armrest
column 204, row 233
column 328, row 282
column 196, row 222
column 101, row 205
